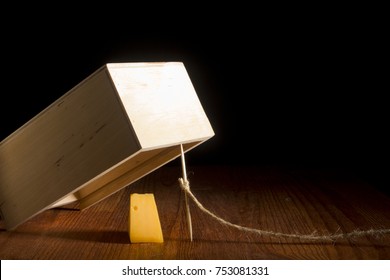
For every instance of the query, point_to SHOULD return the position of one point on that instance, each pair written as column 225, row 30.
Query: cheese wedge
column 144, row 222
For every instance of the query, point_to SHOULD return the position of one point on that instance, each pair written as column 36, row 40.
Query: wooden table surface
column 275, row 199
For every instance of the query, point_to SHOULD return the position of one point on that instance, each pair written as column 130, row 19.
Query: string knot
column 184, row 184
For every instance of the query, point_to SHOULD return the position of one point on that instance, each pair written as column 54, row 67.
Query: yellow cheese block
column 144, row 223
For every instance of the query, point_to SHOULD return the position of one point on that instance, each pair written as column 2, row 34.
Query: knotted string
column 185, row 186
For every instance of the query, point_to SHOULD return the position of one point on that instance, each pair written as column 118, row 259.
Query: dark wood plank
column 275, row 199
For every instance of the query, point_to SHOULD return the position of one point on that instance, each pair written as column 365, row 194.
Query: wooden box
column 119, row 124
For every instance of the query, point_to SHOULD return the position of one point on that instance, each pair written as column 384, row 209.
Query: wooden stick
column 188, row 213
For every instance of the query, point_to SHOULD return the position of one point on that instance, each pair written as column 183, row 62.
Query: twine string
column 185, row 186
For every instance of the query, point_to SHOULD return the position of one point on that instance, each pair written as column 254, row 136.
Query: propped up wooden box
column 119, row 124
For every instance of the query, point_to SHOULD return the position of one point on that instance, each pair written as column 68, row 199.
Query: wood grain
column 274, row 199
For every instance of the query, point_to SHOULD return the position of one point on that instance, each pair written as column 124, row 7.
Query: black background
column 282, row 86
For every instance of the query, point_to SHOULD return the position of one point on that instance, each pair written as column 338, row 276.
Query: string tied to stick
column 314, row 237
column 186, row 185
column 304, row 237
